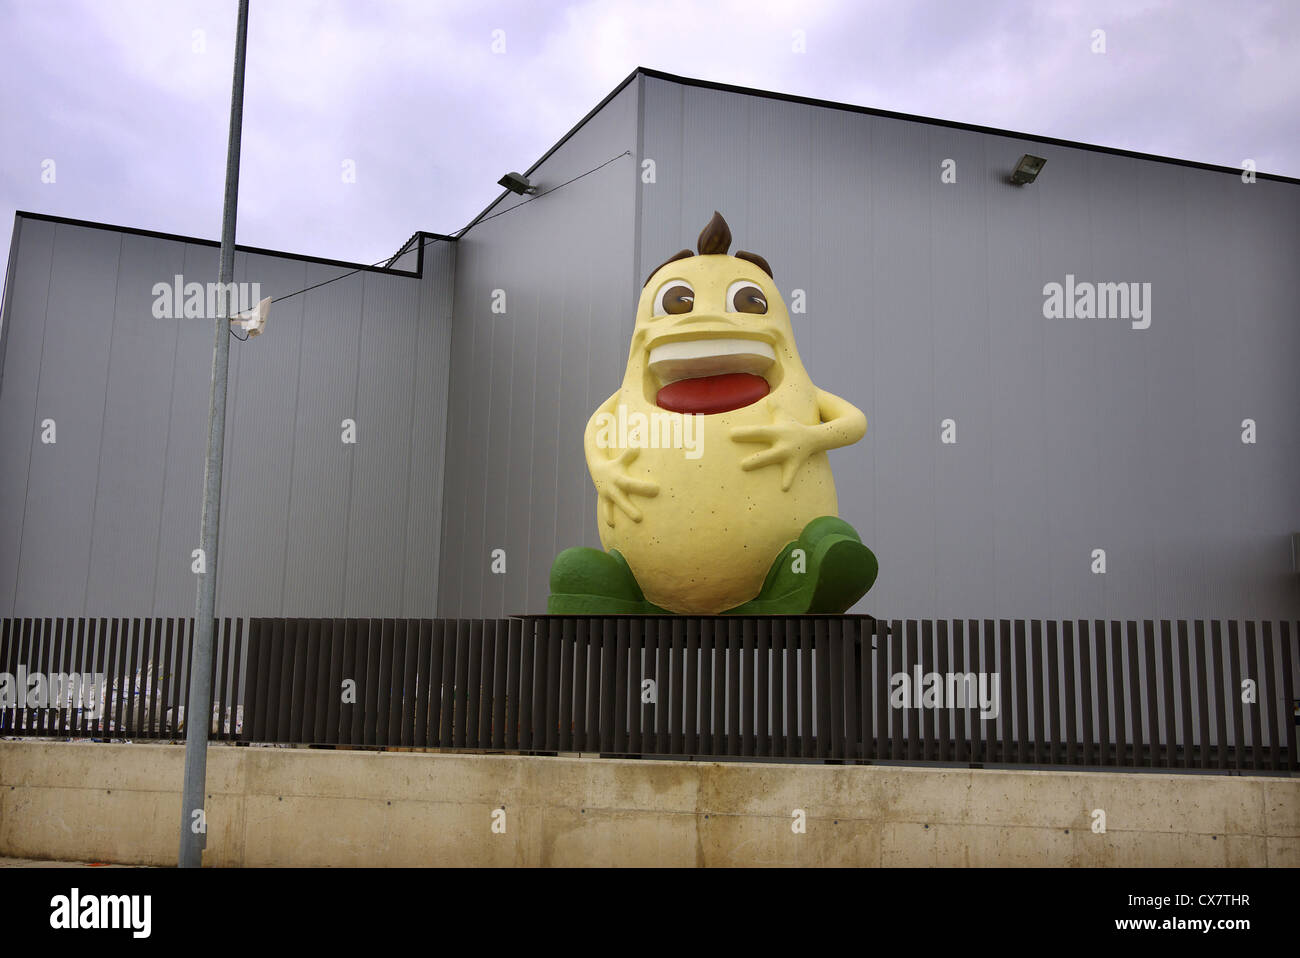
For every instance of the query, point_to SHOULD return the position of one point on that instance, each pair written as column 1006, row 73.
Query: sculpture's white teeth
column 693, row 358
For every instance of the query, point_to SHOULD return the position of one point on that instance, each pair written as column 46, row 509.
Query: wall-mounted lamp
column 517, row 183
column 1027, row 170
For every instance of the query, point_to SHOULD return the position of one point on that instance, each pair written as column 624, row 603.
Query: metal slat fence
column 1173, row 695
column 112, row 678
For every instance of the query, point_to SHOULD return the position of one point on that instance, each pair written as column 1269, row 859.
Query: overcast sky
column 130, row 98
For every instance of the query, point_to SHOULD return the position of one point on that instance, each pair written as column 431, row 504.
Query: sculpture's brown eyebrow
column 672, row 259
column 756, row 260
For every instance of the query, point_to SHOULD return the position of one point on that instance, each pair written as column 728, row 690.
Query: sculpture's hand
column 792, row 443
column 615, row 487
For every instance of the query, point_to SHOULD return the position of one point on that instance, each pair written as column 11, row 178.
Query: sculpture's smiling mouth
column 711, row 375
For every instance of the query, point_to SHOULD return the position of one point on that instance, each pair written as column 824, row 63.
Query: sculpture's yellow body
column 706, row 541
column 701, row 524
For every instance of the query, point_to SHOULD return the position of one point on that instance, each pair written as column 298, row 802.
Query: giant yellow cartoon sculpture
column 714, row 492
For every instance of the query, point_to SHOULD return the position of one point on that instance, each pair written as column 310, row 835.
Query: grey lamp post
column 198, row 714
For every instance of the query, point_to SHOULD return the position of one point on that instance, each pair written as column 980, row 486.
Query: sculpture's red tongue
column 712, row 394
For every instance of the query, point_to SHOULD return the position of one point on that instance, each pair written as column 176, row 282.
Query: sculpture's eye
column 744, row 297
column 675, row 296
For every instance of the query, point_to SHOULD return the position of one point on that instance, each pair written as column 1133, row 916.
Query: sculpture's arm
column 840, row 424
column 608, row 465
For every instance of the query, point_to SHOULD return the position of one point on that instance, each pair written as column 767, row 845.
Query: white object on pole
column 253, row 321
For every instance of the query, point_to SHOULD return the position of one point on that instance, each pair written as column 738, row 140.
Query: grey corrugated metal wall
column 925, row 303
column 524, row 382
column 103, row 521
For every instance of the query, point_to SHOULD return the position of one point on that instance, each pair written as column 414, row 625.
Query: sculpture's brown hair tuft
column 714, row 238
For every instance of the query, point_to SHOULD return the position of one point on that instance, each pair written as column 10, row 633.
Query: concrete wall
column 925, row 302
column 102, row 522
column 281, row 807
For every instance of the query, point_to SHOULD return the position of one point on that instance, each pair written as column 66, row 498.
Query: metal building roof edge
column 932, row 121
column 871, row 111
column 239, row 247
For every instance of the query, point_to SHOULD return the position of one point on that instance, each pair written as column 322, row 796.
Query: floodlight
column 1027, row 170
column 517, row 183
